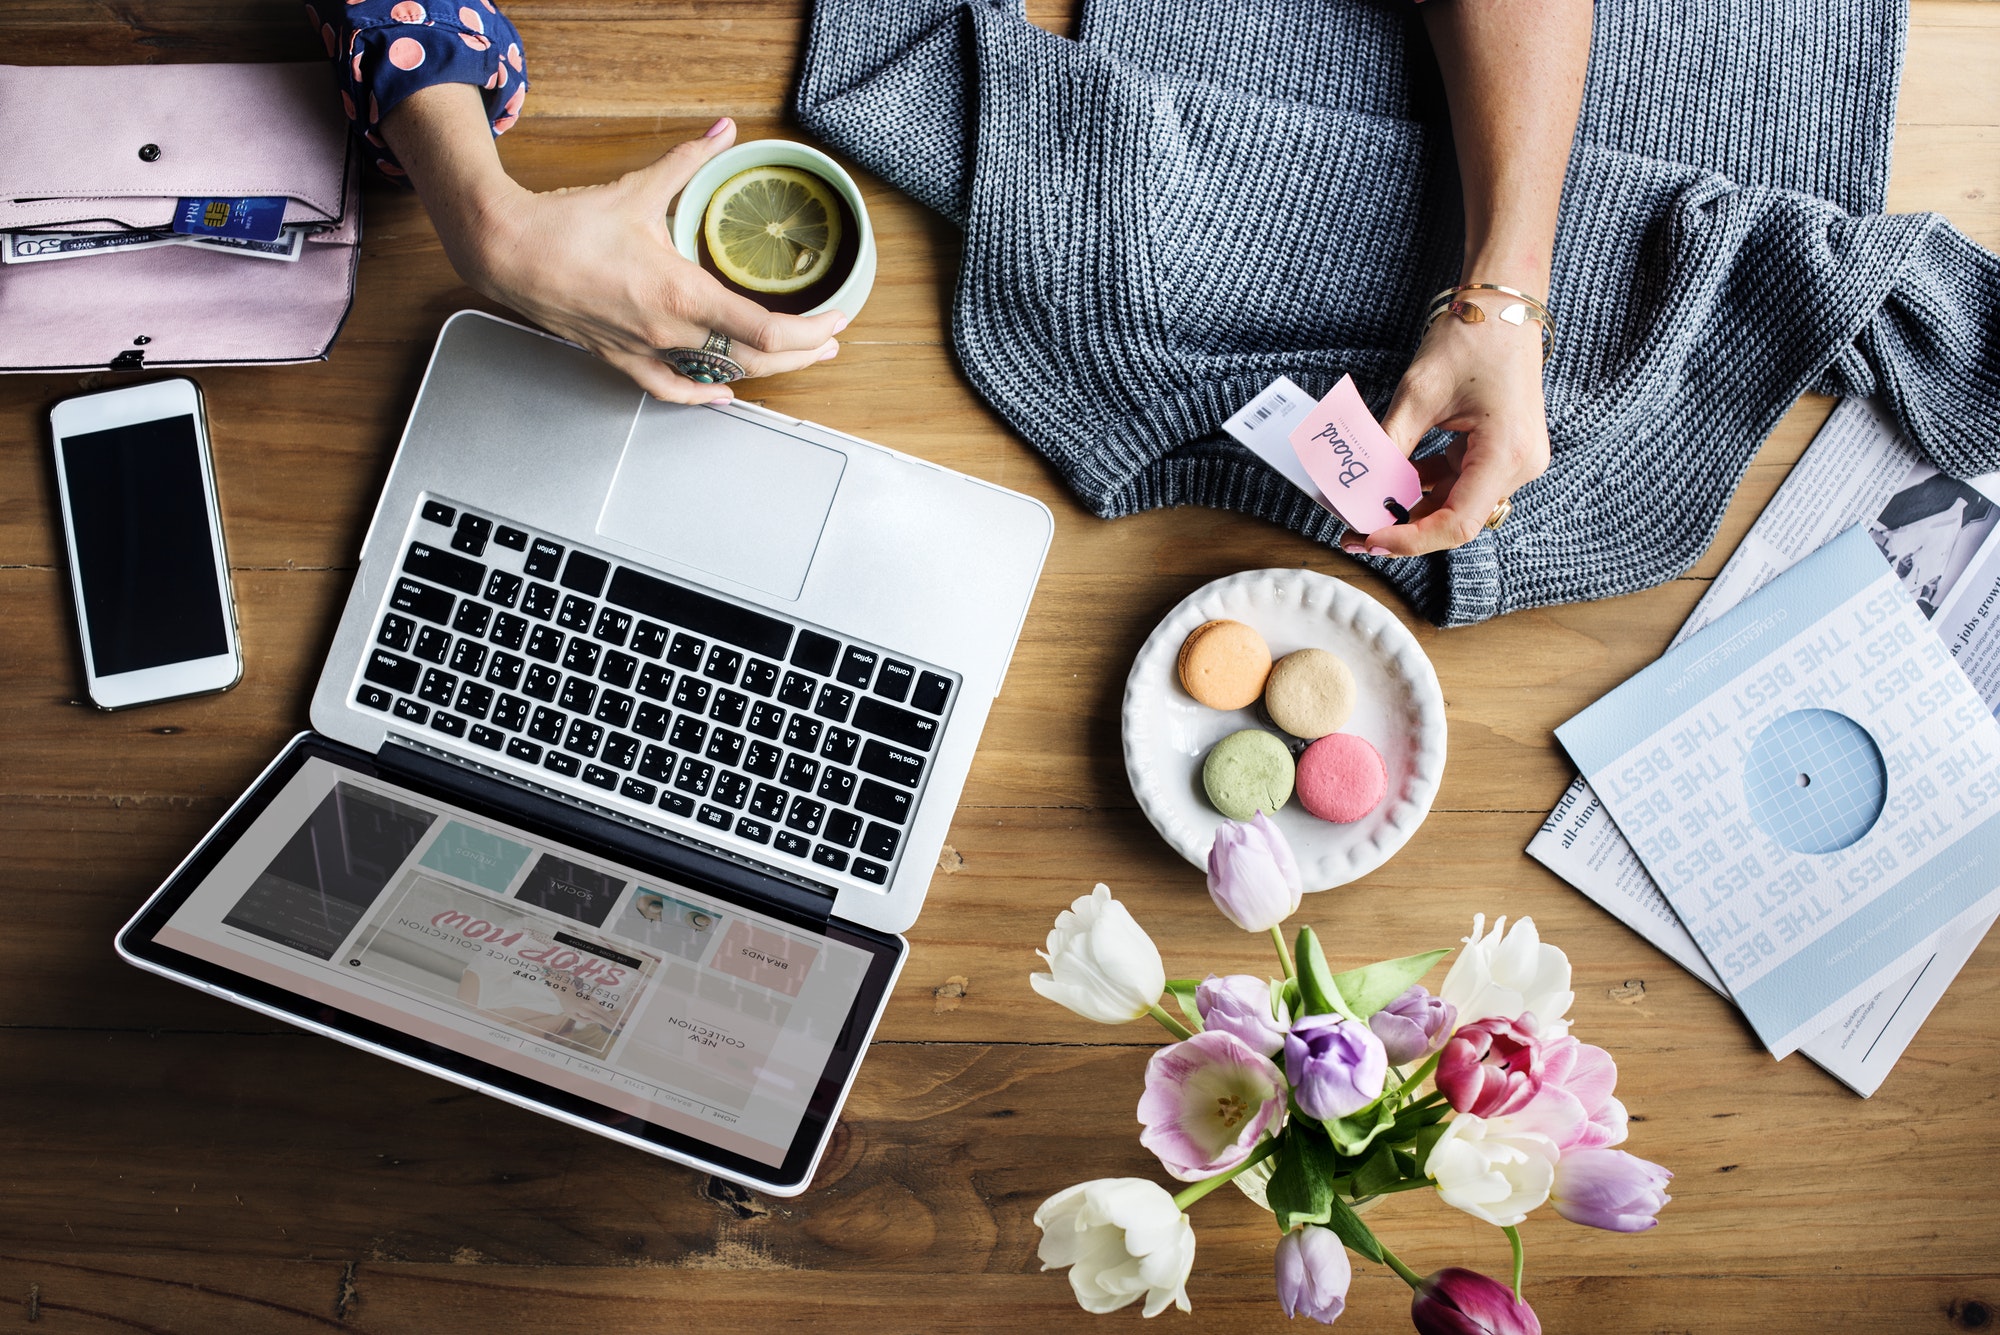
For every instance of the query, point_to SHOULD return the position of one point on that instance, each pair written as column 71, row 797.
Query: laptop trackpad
column 735, row 498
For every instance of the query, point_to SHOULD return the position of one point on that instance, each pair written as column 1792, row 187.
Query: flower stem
column 1520, row 1258
column 1206, row 1185
column 1284, row 955
column 1410, row 1277
column 1172, row 1026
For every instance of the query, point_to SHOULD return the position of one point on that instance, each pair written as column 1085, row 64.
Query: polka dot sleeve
column 384, row 50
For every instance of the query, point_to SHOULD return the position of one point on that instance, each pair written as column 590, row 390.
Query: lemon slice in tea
column 773, row 229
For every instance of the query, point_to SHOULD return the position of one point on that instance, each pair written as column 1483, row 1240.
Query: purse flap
column 118, row 145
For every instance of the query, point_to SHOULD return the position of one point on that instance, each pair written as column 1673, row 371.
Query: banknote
column 288, row 247
column 34, row 247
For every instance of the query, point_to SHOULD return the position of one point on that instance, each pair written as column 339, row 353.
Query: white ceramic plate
column 1398, row 708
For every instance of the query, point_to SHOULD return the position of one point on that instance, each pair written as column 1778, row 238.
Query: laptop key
column 894, row 681
column 715, row 817
column 873, row 872
column 725, row 747
column 688, row 734
column 585, row 573
column 763, row 760
column 815, row 652
column 562, row 764
column 729, row 707
column 509, row 630
column 678, row 803
column 840, row 746
column 372, row 696
column 655, row 682
column 699, row 613
column 473, row 531
column 898, row 725
column 582, row 655
column 544, row 559
column 754, row 830
column 836, row 785
column 398, row 674
column 503, row 588
column 474, row 699
column 396, row 632
column 468, row 657
column 437, row 512
column 834, row 702
column 421, row 600
column 547, row 726
column 577, row 695
column 436, row 566
column 513, row 539
column 584, row 737
column 451, row 725
column 797, row 690
column 805, row 815
column 522, row 749
column 649, row 640
column 830, row 857
column 545, row 644
column 638, row 790
column 768, row 802
column 486, row 737
column 732, row 790
column 612, row 626
column 504, row 671
column 656, row 762
column 892, row 763
column 843, row 828
column 540, row 601
column 760, row 678
column 723, row 664
column 787, row 842
column 691, row 694
column 799, row 773
column 685, row 652
column 857, row 667
column 802, row 734
column 880, row 800
column 438, row 687
column 765, row 720
column 614, row 708
column 542, row 682
column 471, row 618
column 621, row 751
column 599, row 777
column 618, row 669
column 931, row 693
column 652, row 721
column 694, row 776
column 576, row 613
column 433, row 645
column 511, row 713
column 881, row 841
column 407, row 708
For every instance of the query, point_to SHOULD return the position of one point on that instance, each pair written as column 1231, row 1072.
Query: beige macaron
column 1223, row 664
column 1310, row 693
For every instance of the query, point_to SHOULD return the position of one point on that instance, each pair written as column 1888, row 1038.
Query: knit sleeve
column 384, row 50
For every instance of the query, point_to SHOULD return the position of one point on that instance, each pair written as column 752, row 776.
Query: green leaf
column 1367, row 990
column 1380, row 1172
column 1317, row 991
column 1347, row 1226
column 1182, row 991
column 1301, row 1187
column 1426, row 1141
column 1353, row 1134
column 1292, row 999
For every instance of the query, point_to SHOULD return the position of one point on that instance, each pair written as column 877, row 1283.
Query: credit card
column 34, row 247
column 247, row 219
column 287, row 247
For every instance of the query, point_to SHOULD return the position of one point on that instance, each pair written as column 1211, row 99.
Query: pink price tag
column 1357, row 467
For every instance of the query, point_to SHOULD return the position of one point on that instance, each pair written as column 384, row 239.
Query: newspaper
column 1939, row 534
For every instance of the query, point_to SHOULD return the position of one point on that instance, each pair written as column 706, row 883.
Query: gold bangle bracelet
column 1521, row 310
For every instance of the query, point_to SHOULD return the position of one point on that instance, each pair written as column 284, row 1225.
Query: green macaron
column 1248, row 772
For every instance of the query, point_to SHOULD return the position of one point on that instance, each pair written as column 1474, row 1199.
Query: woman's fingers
column 662, row 381
column 1455, row 520
column 1423, row 399
column 667, row 175
column 744, row 321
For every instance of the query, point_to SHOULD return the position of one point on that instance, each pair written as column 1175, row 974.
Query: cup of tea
column 846, row 279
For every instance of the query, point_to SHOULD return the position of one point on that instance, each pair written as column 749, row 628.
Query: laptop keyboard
column 772, row 738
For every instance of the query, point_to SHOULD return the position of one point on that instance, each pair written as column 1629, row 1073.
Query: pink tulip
column 1609, row 1189
column 1574, row 1106
column 1492, row 1066
column 1313, row 1274
column 1208, row 1101
column 1465, row 1302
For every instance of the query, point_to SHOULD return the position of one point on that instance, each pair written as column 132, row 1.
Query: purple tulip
column 1243, row 1006
column 1313, row 1274
column 1252, row 875
column 1465, row 1302
column 1336, row 1066
column 1414, row 1025
column 1609, row 1189
column 1208, row 1101
column 1492, row 1066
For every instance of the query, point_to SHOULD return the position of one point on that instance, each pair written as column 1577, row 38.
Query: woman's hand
column 1485, row 381
column 593, row 264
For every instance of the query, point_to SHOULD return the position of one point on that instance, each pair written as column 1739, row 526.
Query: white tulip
column 1123, row 1238
column 1102, row 965
column 1491, row 1170
column 1505, row 976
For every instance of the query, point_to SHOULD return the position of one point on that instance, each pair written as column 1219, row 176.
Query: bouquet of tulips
column 1318, row 1092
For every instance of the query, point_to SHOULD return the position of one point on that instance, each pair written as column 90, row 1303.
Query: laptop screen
column 642, row 993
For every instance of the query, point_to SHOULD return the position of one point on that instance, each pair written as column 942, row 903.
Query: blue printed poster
column 1813, row 783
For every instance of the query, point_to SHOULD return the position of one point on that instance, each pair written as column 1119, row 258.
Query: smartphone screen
column 145, row 557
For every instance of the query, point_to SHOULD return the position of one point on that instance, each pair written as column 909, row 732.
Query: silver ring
column 709, row 364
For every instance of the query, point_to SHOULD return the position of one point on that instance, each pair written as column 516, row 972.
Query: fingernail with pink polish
column 717, row 128
column 1380, row 551
column 840, row 321
column 830, row 353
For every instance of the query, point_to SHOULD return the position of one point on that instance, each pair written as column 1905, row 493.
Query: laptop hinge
column 592, row 827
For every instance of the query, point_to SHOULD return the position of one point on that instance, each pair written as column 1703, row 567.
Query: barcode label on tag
column 1264, row 427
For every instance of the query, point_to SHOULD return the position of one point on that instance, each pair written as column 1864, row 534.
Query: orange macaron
column 1223, row 664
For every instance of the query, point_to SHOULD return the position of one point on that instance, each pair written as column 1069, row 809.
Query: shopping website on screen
column 631, row 991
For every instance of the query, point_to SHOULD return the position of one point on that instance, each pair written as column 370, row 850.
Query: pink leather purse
column 96, row 149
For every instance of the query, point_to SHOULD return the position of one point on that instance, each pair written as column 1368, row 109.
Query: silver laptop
column 637, row 743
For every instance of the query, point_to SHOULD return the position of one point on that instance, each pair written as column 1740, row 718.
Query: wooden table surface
column 173, row 1163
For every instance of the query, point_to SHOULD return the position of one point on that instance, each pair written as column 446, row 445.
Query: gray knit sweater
column 1195, row 196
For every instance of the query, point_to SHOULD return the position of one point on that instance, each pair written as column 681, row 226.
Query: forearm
column 445, row 144
column 1513, row 74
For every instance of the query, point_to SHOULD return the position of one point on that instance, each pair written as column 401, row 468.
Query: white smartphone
column 144, row 534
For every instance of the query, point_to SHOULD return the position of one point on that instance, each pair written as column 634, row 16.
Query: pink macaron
column 1341, row 778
